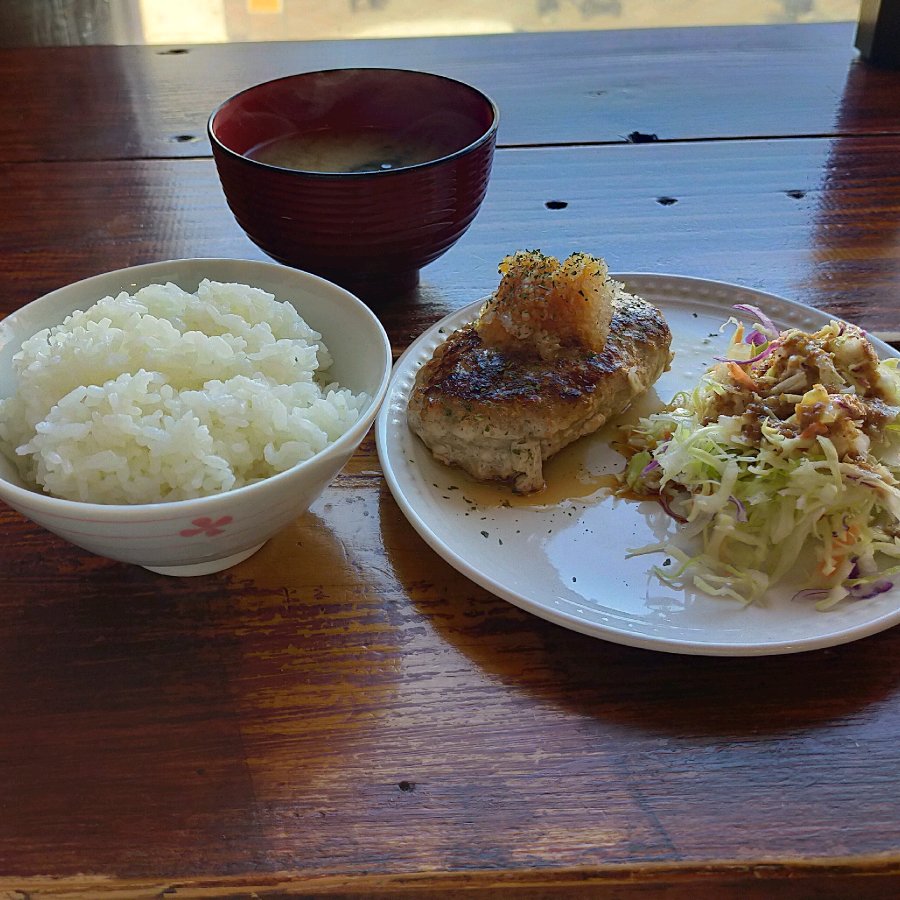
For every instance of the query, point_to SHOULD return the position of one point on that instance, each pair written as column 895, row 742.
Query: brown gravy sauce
column 567, row 476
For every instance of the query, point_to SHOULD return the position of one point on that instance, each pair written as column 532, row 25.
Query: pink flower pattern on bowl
column 205, row 525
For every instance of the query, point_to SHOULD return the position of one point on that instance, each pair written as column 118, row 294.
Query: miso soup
column 346, row 150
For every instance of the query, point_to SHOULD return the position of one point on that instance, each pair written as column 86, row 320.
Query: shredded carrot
column 741, row 377
column 813, row 429
column 832, row 561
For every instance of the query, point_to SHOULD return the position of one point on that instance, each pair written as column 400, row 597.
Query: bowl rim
column 486, row 137
column 39, row 501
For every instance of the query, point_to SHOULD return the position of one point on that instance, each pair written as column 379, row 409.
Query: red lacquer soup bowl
column 362, row 176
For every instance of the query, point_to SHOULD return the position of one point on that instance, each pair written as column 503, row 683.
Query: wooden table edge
column 618, row 876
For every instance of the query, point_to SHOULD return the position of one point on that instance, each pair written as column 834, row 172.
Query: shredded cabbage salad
column 783, row 460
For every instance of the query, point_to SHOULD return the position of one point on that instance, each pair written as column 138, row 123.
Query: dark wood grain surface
column 73, row 103
column 811, row 219
column 345, row 713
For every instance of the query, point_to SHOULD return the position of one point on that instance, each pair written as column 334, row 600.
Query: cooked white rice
column 167, row 395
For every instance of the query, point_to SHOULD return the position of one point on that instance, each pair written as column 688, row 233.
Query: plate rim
column 566, row 620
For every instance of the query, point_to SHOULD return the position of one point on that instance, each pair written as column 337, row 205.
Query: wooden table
column 344, row 713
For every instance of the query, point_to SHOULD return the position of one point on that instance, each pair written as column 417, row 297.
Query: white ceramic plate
column 564, row 557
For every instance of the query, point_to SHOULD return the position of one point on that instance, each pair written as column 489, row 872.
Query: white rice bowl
column 168, row 395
